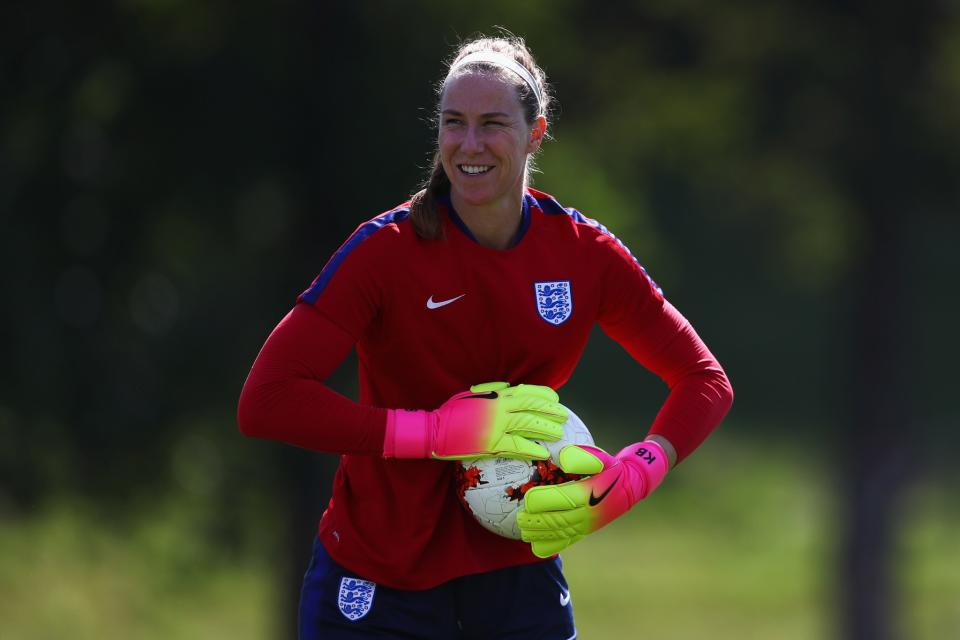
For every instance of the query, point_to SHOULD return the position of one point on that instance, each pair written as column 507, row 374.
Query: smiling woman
column 484, row 143
column 478, row 278
column 492, row 117
column 485, row 138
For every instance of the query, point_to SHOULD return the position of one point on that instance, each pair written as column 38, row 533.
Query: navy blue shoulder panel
column 363, row 232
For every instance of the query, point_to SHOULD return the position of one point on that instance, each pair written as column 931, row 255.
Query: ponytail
column 424, row 214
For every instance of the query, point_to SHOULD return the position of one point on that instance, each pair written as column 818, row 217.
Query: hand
column 492, row 419
column 556, row 516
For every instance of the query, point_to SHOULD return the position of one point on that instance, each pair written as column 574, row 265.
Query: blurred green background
column 173, row 173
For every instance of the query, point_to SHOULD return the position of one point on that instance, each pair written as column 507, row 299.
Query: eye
column 495, row 123
column 452, row 121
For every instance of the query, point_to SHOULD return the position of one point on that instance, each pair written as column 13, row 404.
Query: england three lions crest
column 356, row 597
column 554, row 301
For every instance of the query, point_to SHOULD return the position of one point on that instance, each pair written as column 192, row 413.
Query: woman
column 478, row 278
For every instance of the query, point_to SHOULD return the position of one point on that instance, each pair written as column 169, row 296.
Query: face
column 484, row 140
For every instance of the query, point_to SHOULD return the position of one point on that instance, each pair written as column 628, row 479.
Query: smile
column 474, row 169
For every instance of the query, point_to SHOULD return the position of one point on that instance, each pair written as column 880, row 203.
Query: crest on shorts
column 554, row 301
column 356, row 597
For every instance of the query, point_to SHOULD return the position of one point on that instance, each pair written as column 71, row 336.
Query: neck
column 494, row 225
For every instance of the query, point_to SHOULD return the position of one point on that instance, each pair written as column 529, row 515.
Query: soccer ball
column 492, row 489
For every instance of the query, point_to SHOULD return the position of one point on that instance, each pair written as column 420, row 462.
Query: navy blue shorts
column 529, row 601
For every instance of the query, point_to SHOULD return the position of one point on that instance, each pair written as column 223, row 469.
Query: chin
column 473, row 198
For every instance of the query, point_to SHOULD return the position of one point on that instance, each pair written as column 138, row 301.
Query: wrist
column 667, row 446
column 407, row 434
column 647, row 464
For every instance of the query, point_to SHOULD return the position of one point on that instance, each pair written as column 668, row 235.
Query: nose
column 472, row 141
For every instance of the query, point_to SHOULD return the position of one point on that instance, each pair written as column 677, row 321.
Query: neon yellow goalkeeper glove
column 492, row 419
column 556, row 516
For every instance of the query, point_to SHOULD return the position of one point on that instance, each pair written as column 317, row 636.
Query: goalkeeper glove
column 492, row 419
column 556, row 516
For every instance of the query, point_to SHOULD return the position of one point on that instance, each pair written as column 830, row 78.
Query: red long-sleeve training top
column 431, row 318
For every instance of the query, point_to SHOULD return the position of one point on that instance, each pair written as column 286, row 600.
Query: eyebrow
column 492, row 114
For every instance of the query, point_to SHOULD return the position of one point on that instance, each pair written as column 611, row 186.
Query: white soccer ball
column 492, row 489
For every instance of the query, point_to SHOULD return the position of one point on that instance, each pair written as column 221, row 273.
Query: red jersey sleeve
column 635, row 314
column 349, row 290
column 285, row 396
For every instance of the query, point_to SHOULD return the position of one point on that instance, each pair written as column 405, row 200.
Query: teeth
column 475, row 169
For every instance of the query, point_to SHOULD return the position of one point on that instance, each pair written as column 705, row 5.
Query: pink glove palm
column 556, row 516
column 492, row 419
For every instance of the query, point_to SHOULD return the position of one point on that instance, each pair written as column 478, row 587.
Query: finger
column 547, row 548
column 489, row 386
column 536, row 404
column 565, row 498
column 535, row 526
column 531, row 426
column 515, row 446
column 554, row 525
column 533, row 391
column 577, row 459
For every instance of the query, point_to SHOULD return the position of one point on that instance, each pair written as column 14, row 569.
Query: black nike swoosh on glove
column 490, row 395
column 595, row 500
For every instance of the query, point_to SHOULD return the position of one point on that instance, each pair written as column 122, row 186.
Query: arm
column 700, row 392
column 285, row 398
column 555, row 517
column 663, row 341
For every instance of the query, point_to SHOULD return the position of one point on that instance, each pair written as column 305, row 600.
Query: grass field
column 735, row 545
column 739, row 544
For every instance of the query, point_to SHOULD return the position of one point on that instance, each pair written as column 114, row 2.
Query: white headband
column 505, row 62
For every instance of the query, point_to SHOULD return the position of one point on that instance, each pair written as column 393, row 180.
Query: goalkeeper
column 478, row 279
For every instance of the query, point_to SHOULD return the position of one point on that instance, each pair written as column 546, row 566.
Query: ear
column 537, row 131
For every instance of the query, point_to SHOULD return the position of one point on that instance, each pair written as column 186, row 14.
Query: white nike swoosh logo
column 436, row 305
column 564, row 598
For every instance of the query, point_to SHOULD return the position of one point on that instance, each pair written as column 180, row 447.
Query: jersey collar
column 447, row 202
